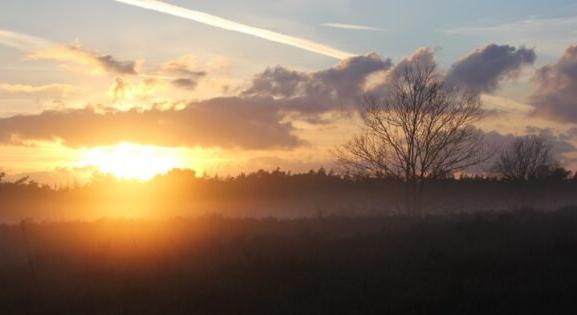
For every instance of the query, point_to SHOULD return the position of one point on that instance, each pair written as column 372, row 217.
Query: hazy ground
column 273, row 194
column 491, row 263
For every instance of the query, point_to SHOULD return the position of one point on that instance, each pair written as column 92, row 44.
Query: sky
column 233, row 86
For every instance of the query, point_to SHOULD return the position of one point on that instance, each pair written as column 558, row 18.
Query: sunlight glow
column 132, row 161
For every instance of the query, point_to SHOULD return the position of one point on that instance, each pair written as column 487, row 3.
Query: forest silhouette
column 181, row 193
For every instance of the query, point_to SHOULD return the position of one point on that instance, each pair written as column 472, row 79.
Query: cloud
column 484, row 68
column 257, row 119
column 98, row 63
column 22, row 41
column 182, row 72
column 184, row 66
column 250, row 123
column 422, row 57
column 480, row 71
column 555, row 94
column 123, row 90
column 549, row 34
column 279, row 82
column 354, row 27
column 43, row 49
column 377, row 83
column 112, row 65
column 525, row 25
column 49, row 90
column 343, row 86
column 338, row 87
column 219, row 22
column 185, row 83
column 560, row 142
column 185, row 70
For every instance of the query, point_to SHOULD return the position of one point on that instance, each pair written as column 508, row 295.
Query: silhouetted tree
column 527, row 158
column 559, row 174
column 420, row 130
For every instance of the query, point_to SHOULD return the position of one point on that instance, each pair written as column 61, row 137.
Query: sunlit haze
column 132, row 161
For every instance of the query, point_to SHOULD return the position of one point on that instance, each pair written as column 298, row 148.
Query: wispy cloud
column 226, row 24
column 23, row 42
column 526, row 25
column 43, row 49
column 31, row 89
column 549, row 34
column 181, row 73
column 355, row 27
column 96, row 63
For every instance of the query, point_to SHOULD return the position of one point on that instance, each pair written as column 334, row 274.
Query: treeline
column 278, row 193
column 279, row 181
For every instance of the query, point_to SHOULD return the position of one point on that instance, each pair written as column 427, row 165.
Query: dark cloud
column 572, row 133
column 107, row 63
column 184, row 69
column 555, row 95
column 560, row 143
column 257, row 119
column 339, row 86
column 185, row 83
column 279, row 82
column 250, row 123
column 348, row 77
column 112, row 65
column 483, row 69
column 422, row 57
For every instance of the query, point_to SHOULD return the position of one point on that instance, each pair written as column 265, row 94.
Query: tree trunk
column 414, row 195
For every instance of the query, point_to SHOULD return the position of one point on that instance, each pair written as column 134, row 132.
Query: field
column 520, row 262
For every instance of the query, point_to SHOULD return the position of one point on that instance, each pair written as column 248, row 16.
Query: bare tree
column 420, row 130
column 528, row 157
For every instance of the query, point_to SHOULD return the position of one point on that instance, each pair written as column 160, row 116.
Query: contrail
column 355, row 27
column 222, row 23
column 22, row 41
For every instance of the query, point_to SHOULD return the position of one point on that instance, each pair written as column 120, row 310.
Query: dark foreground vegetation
column 521, row 262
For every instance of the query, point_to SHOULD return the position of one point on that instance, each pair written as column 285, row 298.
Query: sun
column 131, row 161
